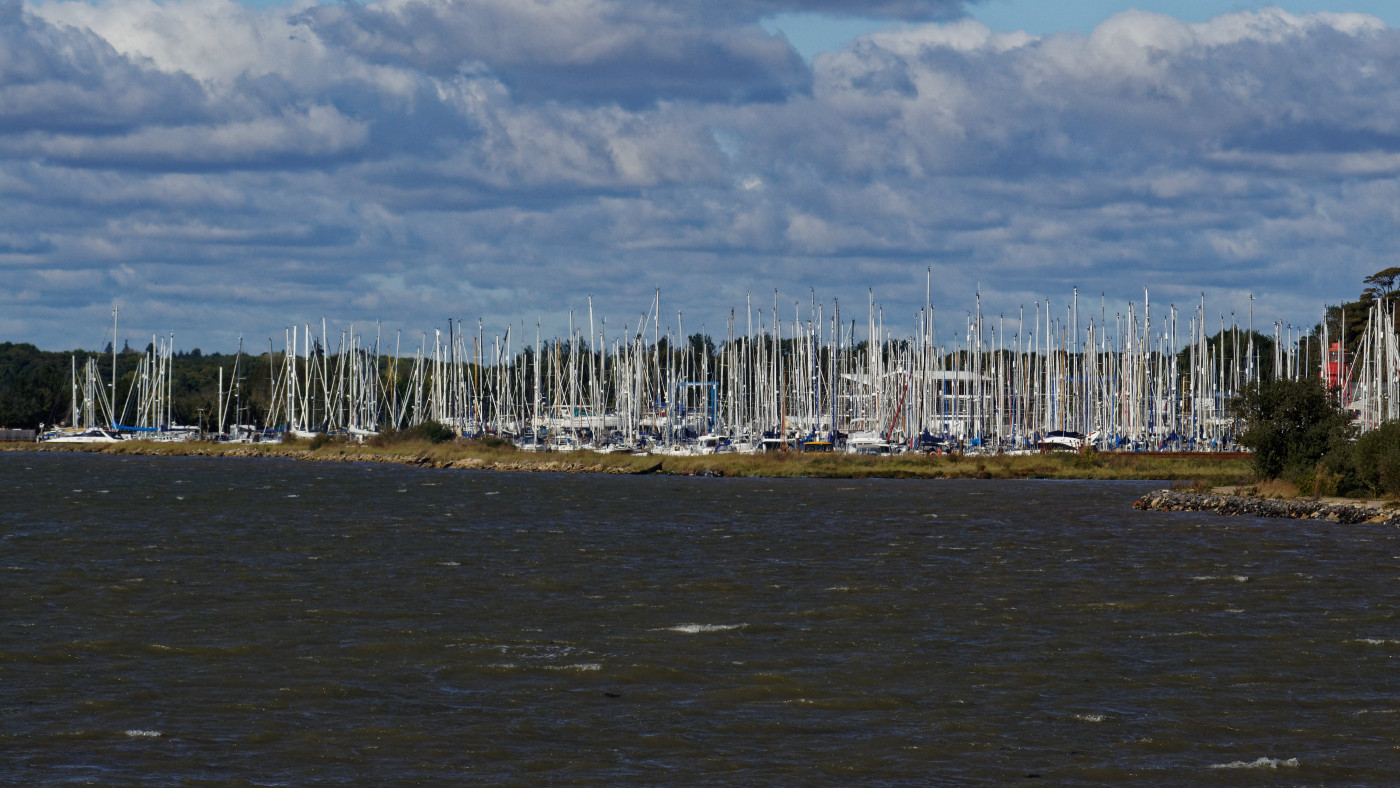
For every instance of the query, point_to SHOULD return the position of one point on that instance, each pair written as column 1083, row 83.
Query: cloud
column 286, row 140
column 64, row 79
column 571, row 50
column 910, row 10
column 505, row 159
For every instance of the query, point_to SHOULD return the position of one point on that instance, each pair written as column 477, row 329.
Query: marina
column 803, row 379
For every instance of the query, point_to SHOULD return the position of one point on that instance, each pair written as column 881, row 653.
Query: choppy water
column 263, row 622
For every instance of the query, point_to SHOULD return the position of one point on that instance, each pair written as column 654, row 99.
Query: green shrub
column 320, row 440
column 1376, row 456
column 428, row 431
column 1291, row 426
column 1324, row 482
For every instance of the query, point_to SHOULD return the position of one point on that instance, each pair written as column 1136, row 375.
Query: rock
column 1180, row 501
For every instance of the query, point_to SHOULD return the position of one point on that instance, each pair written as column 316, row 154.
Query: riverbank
column 1213, row 470
column 1338, row 510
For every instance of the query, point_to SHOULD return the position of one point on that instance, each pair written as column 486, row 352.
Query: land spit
column 1337, row 510
column 1214, row 470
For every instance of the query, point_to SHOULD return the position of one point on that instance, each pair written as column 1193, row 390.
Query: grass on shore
column 1203, row 471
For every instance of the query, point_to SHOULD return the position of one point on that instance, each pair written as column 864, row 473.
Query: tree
column 1291, row 425
column 1381, row 284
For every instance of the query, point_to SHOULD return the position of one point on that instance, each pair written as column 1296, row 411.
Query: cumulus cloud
column 505, row 158
column 58, row 78
column 911, row 10
column 571, row 50
column 284, row 140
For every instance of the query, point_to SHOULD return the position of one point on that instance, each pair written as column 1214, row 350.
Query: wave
column 1260, row 763
column 695, row 629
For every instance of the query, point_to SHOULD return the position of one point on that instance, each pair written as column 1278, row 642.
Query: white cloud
column 313, row 132
column 496, row 158
column 215, row 41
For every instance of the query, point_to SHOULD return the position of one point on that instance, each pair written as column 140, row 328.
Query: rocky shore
column 1332, row 509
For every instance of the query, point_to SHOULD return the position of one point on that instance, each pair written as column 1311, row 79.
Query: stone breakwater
column 1332, row 511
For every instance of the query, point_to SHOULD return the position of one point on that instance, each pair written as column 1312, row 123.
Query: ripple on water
column 291, row 629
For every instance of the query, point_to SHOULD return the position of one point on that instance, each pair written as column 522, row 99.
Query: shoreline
column 1223, row 501
column 1224, row 475
column 1215, row 470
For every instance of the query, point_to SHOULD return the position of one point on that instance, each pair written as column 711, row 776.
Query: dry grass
column 1271, row 488
column 1205, row 472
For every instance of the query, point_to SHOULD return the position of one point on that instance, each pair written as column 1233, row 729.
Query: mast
column 110, row 414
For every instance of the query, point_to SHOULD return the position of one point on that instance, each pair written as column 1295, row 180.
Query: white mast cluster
column 1052, row 375
column 1369, row 383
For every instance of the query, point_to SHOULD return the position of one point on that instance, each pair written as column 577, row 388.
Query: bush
column 320, row 440
column 428, row 431
column 1088, row 457
column 1376, row 456
column 1326, row 482
column 1291, row 426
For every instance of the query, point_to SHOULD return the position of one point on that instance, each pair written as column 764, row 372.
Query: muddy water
column 193, row 621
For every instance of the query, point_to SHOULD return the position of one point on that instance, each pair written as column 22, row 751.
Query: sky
column 220, row 170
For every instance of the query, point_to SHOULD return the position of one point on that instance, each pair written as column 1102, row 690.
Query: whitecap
column 1260, row 763
column 448, row 563
column 695, row 629
column 1089, row 717
column 134, row 733
column 1378, row 641
column 582, row 666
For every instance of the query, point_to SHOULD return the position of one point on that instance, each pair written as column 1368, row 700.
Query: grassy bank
column 1213, row 471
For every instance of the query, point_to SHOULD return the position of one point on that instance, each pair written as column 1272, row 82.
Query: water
column 197, row 621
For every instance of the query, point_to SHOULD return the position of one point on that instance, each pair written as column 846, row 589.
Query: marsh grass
column 1207, row 471
column 1193, row 486
column 1277, row 489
